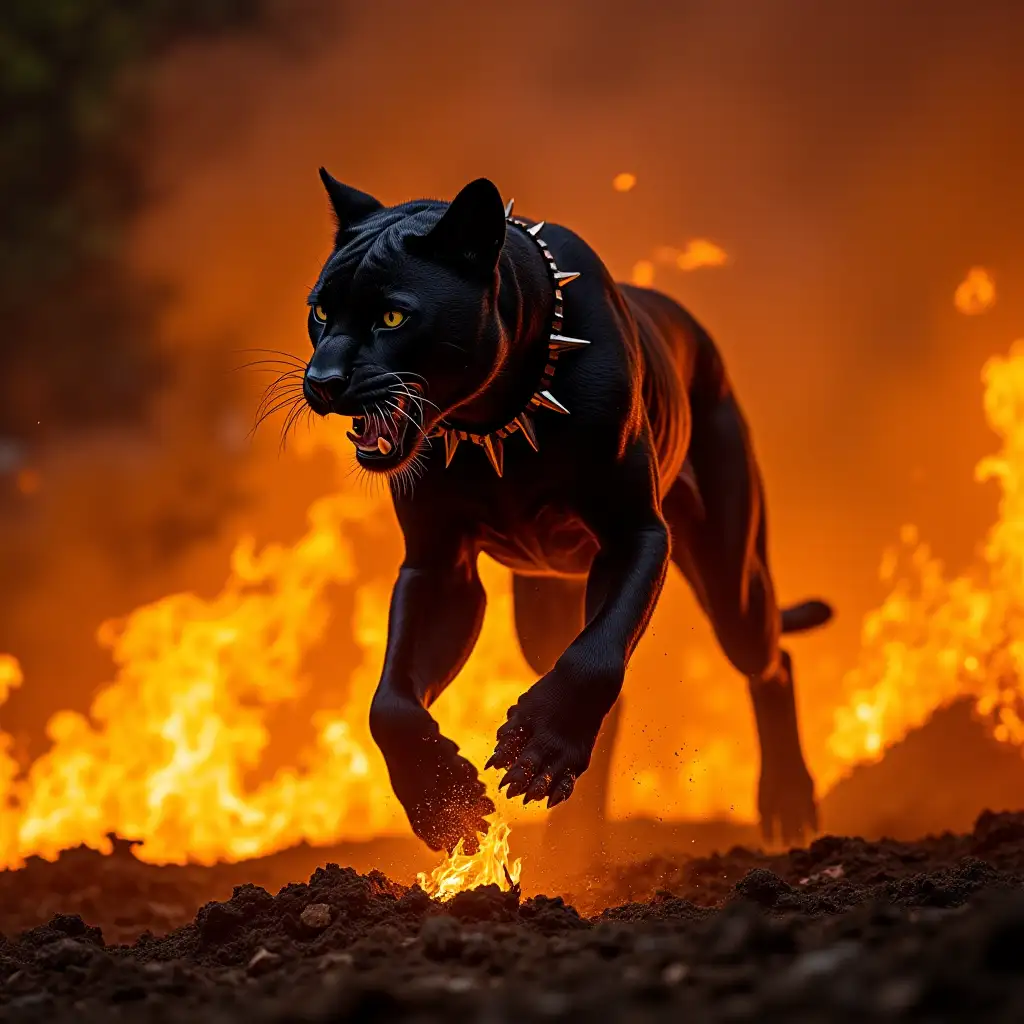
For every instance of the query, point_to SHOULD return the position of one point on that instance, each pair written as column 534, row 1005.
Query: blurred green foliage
column 74, row 348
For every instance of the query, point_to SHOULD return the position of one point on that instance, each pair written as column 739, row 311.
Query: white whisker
column 402, row 412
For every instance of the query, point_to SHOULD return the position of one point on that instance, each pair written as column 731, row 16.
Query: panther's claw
column 561, row 790
column 538, row 789
column 517, row 780
column 542, row 759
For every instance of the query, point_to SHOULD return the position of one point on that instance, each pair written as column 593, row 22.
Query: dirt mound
column 845, row 930
column 941, row 775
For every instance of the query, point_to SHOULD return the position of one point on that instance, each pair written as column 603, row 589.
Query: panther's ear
column 470, row 234
column 350, row 205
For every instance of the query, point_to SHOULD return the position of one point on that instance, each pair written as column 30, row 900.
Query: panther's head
column 403, row 318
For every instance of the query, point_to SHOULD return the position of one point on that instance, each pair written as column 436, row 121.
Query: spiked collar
column 492, row 443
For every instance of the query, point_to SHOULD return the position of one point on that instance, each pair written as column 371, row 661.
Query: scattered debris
column 843, row 930
column 317, row 916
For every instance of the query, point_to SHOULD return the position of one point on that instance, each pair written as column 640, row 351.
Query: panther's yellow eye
column 319, row 315
column 393, row 318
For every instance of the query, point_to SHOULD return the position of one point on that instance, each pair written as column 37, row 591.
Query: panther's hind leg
column 549, row 614
column 719, row 542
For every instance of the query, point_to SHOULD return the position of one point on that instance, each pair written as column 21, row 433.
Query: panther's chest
column 549, row 540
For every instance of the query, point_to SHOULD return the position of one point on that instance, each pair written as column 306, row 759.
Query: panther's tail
column 808, row 615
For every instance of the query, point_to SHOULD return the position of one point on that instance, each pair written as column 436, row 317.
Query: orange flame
column 976, row 293
column 490, row 865
column 165, row 753
column 936, row 638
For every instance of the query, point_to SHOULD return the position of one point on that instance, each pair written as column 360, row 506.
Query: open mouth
column 379, row 434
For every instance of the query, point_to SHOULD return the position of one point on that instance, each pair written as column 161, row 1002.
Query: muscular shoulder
column 602, row 380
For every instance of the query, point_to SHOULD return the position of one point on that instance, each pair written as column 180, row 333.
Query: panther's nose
column 324, row 389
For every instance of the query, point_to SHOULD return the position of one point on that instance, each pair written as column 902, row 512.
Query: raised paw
column 544, row 747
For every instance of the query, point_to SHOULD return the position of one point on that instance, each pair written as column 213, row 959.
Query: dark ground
column 846, row 930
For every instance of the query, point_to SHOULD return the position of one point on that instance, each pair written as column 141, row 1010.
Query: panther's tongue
column 370, row 433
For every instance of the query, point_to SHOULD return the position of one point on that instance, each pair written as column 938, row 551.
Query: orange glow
column 10, row 676
column 165, row 752
column 624, row 182
column 167, row 748
column 701, row 253
column 28, row 481
column 976, row 293
column 643, row 273
column 490, row 865
column 936, row 638
column 10, row 679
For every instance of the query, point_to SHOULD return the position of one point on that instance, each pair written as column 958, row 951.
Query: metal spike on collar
column 560, row 343
column 546, row 400
column 451, row 442
column 525, row 424
column 495, row 452
column 493, row 442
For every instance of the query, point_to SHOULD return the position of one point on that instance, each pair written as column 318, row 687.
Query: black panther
column 584, row 434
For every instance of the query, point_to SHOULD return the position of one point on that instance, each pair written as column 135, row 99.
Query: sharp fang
column 546, row 400
column 560, row 343
column 508, row 208
column 536, row 229
column 384, row 446
column 495, row 452
column 525, row 424
column 566, row 276
column 451, row 442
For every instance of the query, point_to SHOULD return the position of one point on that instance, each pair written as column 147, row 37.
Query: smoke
column 853, row 159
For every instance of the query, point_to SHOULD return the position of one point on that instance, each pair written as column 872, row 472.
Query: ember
column 976, row 293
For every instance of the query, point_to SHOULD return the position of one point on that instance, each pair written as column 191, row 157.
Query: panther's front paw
column 546, row 743
column 439, row 789
column 444, row 798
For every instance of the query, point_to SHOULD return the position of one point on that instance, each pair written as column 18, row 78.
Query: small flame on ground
column 488, row 866
column 976, row 293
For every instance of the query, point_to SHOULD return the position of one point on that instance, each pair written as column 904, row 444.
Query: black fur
column 654, row 463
